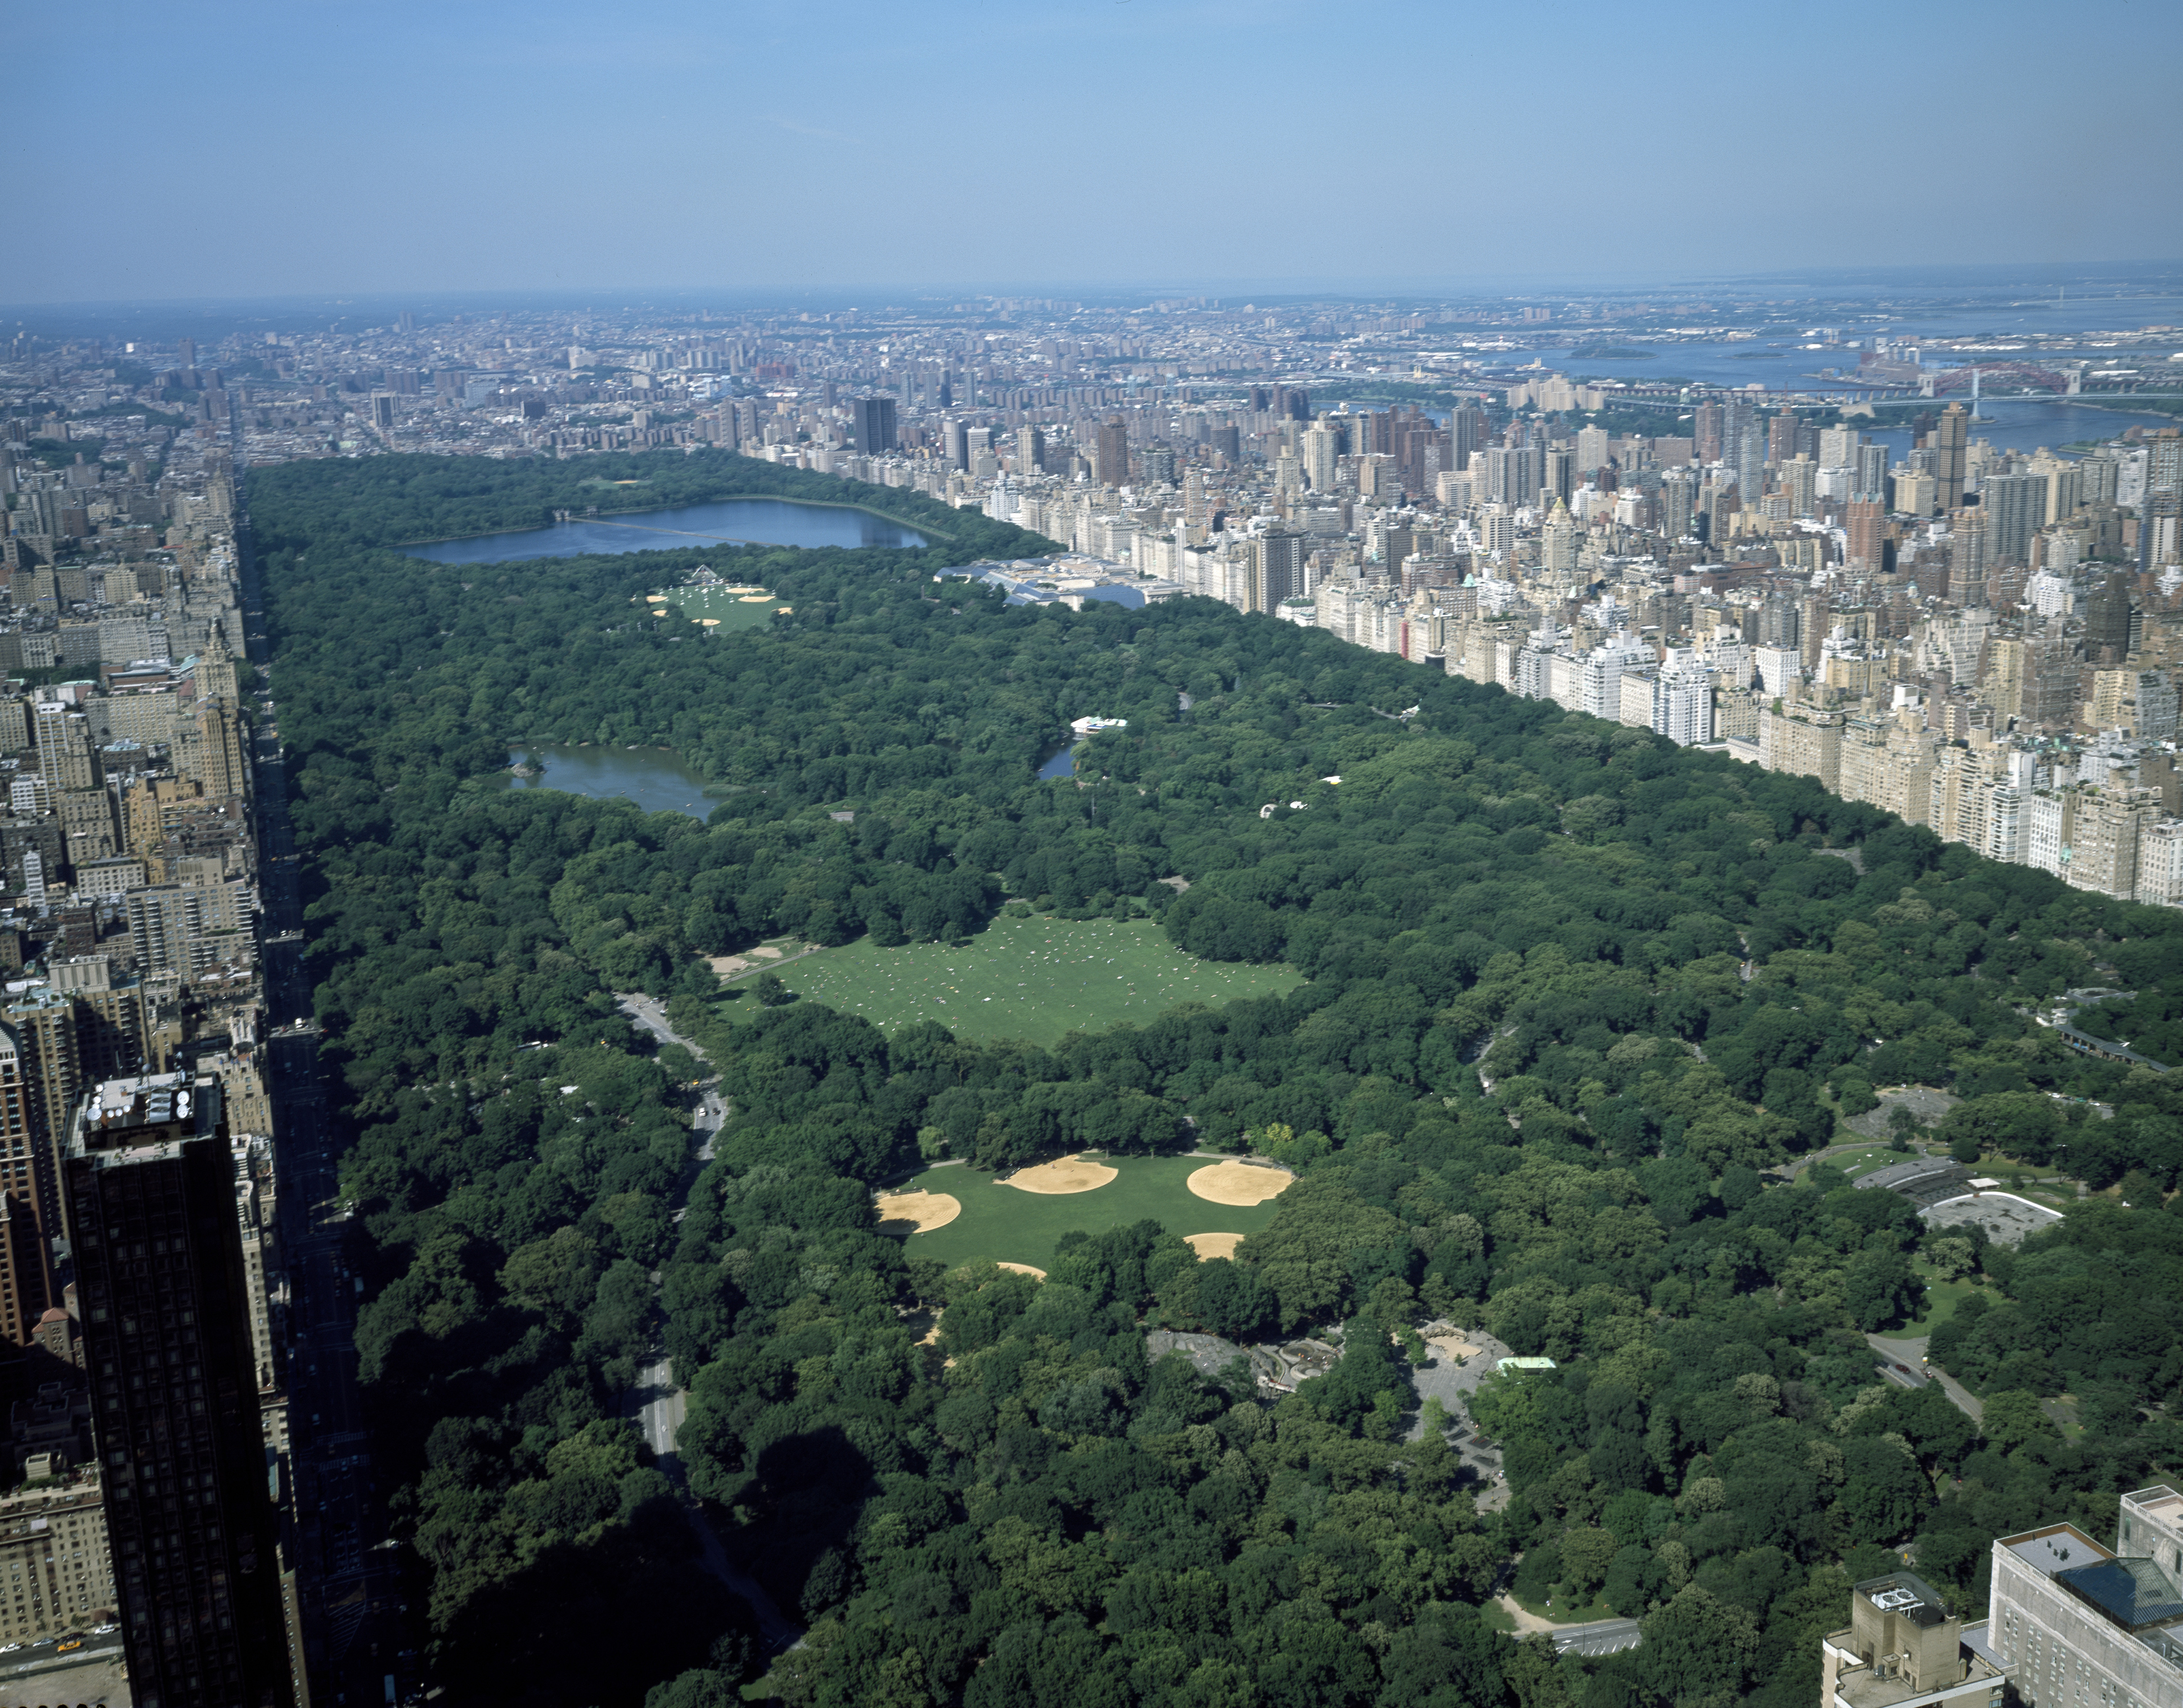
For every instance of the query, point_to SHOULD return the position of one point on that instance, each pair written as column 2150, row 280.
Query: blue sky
column 179, row 149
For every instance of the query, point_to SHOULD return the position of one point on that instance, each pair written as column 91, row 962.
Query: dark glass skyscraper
column 159, row 1275
column 875, row 424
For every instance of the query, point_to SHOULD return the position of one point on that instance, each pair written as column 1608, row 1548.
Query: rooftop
column 143, row 1116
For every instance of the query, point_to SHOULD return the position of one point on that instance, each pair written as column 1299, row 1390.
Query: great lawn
column 1033, row 978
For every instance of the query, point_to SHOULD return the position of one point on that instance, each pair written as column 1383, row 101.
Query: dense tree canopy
column 1574, row 999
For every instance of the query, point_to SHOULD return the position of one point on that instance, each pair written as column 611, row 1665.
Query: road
column 1602, row 1637
column 656, row 1403
column 357, row 1630
column 1902, row 1362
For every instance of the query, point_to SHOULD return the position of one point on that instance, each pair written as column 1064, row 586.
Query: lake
column 766, row 521
column 651, row 777
column 1061, row 764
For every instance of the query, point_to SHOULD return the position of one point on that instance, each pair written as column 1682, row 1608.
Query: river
column 768, row 521
column 653, row 777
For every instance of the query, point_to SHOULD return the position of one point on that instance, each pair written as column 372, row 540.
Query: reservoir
column 651, row 777
column 766, row 521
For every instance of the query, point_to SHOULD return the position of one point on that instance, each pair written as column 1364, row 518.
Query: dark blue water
column 654, row 779
column 1062, row 764
column 768, row 521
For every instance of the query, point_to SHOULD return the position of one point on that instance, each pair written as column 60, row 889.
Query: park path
column 656, row 1403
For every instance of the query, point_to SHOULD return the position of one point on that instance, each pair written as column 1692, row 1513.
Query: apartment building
column 2076, row 1623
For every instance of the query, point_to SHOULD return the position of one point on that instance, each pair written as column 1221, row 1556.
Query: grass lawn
column 1563, row 1611
column 1008, row 1226
column 698, row 603
column 1496, row 1617
column 1943, row 1297
column 1033, row 979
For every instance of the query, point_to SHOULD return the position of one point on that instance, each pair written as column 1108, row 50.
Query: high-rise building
column 26, row 1255
column 873, row 419
column 167, row 1339
column 1030, row 450
column 1950, row 443
column 1871, row 481
column 382, row 411
column 1868, row 534
column 1780, row 435
column 1277, row 567
column 2107, row 620
column 955, row 444
column 1466, row 432
column 66, row 758
column 2074, row 1622
column 1322, row 453
column 2015, row 507
column 1710, row 426
column 56, row 1567
column 1903, row 1648
column 1113, row 452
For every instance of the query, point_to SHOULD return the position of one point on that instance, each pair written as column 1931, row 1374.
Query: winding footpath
column 656, row 1403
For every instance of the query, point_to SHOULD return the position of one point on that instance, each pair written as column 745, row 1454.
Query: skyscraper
column 1322, row 452
column 2015, row 507
column 1113, row 452
column 2107, row 620
column 873, row 419
column 1276, row 567
column 1710, row 424
column 1867, row 533
column 26, row 1288
column 1950, row 444
column 160, row 1281
column 1030, row 450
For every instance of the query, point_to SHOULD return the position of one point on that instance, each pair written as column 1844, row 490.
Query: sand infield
column 1210, row 1245
column 1065, row 1174
column 1239, row 1183
column 927, row 1209
column 755, row 599
column 1022, row 1268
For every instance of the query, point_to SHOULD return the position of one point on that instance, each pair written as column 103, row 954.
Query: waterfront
column 653, row 777
column 765, row 521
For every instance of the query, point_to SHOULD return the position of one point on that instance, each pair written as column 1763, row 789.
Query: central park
column 1535, row 1024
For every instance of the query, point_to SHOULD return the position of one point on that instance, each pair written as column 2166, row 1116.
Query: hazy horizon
column 252, row 151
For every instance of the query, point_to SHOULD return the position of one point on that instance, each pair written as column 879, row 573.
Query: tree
column 2008, row 1420
column 770, row 991
column 1879, row 1287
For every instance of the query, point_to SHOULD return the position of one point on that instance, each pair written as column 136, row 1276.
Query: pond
column 653, row 777
column 731, row 521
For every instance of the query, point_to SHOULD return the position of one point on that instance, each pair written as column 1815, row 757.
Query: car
column 1904, row 1368
column 9, row 1648
column 68, row 1645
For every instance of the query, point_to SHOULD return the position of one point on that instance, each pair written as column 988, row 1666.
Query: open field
column 1033, row 979
column 732, row 607
column 1009, row 1225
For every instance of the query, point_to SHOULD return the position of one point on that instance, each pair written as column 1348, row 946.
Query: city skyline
column 742, row 149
